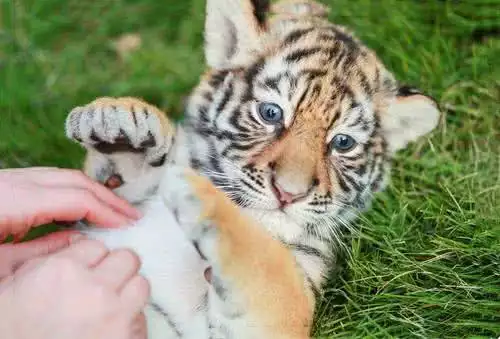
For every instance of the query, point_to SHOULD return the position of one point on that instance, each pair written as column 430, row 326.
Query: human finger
column 118, row 268
column 135, row 294
column 74, row 178
column 73, row 204
column 87, row 252
column 13, row 256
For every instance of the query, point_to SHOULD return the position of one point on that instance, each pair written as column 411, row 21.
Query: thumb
column 14, row 255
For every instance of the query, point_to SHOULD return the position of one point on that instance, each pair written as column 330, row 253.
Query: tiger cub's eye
column 270, row 113
column 343, row 143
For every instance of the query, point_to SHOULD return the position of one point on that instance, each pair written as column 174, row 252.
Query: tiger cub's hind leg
column 127, row 142
column 256, row 289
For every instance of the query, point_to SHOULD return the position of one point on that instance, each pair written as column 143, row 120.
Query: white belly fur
column 170, row 263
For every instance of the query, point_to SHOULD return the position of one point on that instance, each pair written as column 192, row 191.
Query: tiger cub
column 291, row 130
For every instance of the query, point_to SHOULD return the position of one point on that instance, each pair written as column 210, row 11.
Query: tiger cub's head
column 296, row 116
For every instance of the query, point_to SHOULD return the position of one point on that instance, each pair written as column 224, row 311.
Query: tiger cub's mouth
column 285, row 198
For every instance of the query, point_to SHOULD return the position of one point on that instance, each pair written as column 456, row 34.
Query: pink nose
column 284, row 197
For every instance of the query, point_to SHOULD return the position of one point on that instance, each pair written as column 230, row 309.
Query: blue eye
column 343, row 143
column 270, row 112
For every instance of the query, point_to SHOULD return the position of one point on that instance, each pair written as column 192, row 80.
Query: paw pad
column 121, row 125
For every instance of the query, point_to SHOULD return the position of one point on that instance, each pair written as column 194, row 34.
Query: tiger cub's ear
column 232, row 31
column 411, row 115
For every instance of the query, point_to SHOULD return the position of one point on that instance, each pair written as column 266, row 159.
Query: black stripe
column 353, row 182
column 325, row 36
column 260, row 10
column 333, row 51
column 207, row 95
column 250, row 75
column 308, row 250
column 365, row 83
column 218, row 284
column 310, row 230
column 312, row 73
column 293, row 87
column 335, row 117
column 157, row 308
column 350, row 59
column 375, row 184
column 406, row 91
column 196, row 245
column 302, row 98
column 377, row 77
column 356, row 122
column 300, row 54
column 247, row 94
column 253, row 71
column 203, row 114
column 234, row 120
column 195, row 163
column 340, row 179
column 254, row 122
column 296, row 35
column 273, row 82
column 213, row 158
column 322, row 211
column 317, row 203
column 346, row 92
column 316, row 89
column 249, row 186
column 346, row 38
column 243, row 146
column 217, row 78
column 353, row 157
column 361, row 170
column 159, row 162
column 134, row 117
column 315, row 289
column 228, row 93
column 205, row 132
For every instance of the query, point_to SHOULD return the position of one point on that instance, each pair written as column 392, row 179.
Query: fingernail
column 136, row 214
column 18, row 237
column 124, row 222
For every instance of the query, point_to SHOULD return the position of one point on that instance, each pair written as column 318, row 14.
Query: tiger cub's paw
column 192, row 199
column 111, row 125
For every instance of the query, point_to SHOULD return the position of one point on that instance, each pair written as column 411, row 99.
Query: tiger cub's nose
column 286, row 198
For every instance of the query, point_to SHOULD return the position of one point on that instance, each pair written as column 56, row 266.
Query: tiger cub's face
column 297, row 116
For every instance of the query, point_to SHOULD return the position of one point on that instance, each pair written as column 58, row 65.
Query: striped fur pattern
column 295, row 124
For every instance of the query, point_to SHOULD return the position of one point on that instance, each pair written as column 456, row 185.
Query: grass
column 426, row 262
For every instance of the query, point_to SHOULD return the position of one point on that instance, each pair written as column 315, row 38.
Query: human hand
column 81, row 292
column 35, row 196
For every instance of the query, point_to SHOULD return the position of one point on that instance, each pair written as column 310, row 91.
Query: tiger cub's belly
column 172, row 266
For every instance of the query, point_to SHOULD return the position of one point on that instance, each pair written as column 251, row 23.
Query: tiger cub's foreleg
column 127, row 142
column 257, row 290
